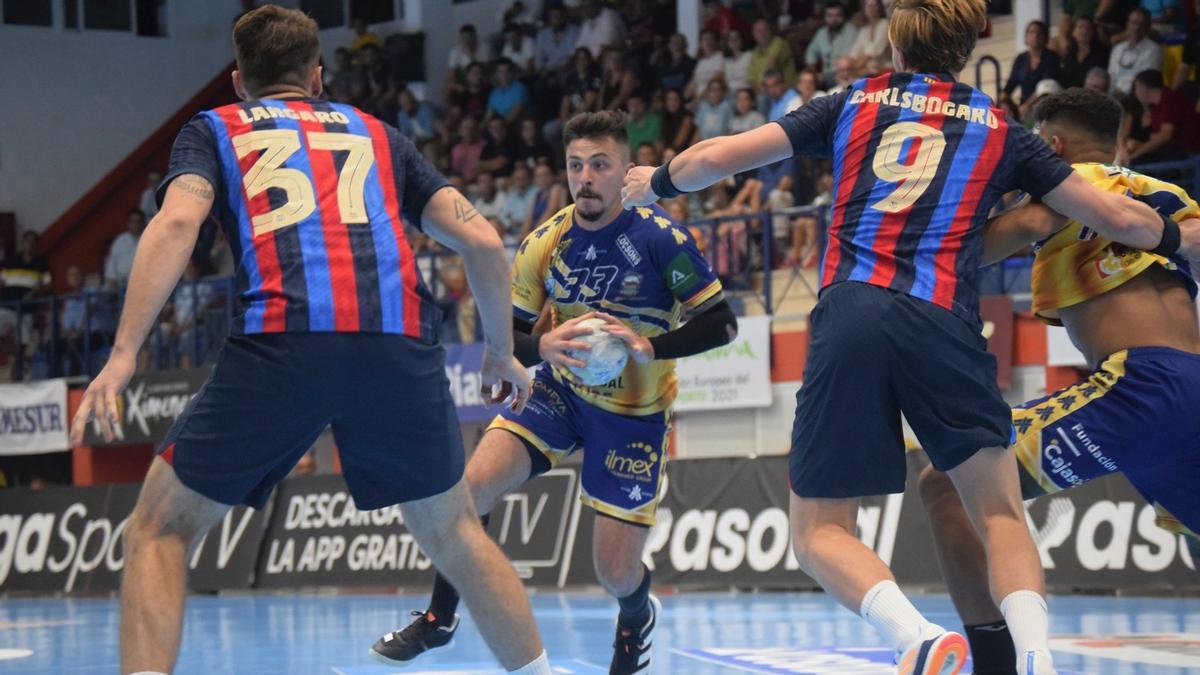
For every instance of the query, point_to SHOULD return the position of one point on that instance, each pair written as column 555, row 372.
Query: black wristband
column 1171, row 238
column 661, row 183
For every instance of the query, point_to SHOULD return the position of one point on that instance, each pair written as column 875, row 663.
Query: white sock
column 1025, row 613
column 886, row 608
column 538, row 666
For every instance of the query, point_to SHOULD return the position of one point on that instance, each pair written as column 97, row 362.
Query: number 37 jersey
column 918, row 162
column 310, row 196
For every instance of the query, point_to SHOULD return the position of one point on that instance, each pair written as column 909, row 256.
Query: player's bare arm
column 709, row 161
column 162, row 255
column 1015, row 229
column 453, row 221
column 1124, row 220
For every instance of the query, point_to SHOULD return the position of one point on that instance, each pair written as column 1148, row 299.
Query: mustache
column 585, row 193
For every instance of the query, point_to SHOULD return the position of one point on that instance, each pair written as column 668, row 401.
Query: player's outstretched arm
column 709, row 161
column 452, row 221
column 162, row 254
column 1017, row 228
column 1117, row 217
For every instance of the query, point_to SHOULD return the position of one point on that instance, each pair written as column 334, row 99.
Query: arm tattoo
column 463, row 210
column 195, row 186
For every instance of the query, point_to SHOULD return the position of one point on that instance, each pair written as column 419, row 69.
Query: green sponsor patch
column 680, row 273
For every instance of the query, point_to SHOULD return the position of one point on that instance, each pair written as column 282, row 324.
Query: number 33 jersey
column 642, row 268
column 310, row 196
column 918, row 162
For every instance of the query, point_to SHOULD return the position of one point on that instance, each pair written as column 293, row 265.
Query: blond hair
column 936, row 35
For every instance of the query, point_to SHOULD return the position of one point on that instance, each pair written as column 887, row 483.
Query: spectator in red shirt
column 1173, row 122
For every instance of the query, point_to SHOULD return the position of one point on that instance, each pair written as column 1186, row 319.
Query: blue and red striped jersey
column 918, row 163
column 311, row 196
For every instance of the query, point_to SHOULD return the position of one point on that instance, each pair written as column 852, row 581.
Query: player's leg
column 500, row 464
column 166, row 521
column 447, row 528
column 847, row 443
column 428, row 478
column 624, row 464
column 963, row 562
column 233, row 442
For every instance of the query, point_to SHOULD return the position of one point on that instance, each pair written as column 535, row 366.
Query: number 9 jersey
column 642, row 268
column 918, row 162
column 310, row 196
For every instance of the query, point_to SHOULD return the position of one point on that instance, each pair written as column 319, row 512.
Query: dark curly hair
column 1086, row 110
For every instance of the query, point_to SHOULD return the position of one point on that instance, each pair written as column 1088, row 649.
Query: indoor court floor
column 699, row 634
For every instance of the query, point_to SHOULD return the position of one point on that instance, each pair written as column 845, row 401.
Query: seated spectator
column 470, row 98
column 510, row 96
column 345, row 72
column 673, row 67
column 710, row 65
column 617, row 80
column 643, row 125
column 770, row 52
column 120, row 255
column 1044, row 88
column 519, row 49
column 833, row 41
column 737, row 62
column 466, row 51
column 805, row 240
column 715, row 112
column 363, row 37
column 844, row 75
column 418, row 120
column 1032, row 66
column 188, row 304
column 556, row 41
column 464, row 156
column 549, row 198
column 722, row 20
column 1084, row 52
column 486, row 197
column 646, row 155
column 500, row 149
column 872, row 38
column 807, row 86
column 580, row 93
column 72, row 324
column 1072, row 10
column 530, row 147
column 1137, row 53
column 1174, row 123
column 678, row 125
column 518, row 199
column 601, row 27
column 746, row 115
column 781, row 99
column 1098, row 79
column 147, row 203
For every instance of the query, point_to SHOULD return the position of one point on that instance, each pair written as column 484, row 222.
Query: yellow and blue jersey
column 1076, row 264
column 643, row 268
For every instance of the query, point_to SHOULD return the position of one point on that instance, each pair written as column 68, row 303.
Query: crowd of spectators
column 1143, row 53
column 492, row 125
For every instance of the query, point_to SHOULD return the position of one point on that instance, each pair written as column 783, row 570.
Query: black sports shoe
column 401, row 646
column 631, row 649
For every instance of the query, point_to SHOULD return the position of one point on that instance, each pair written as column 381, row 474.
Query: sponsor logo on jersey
column 628, row 250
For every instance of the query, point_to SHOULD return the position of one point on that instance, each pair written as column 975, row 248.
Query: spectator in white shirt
column 488, row 200
column 737, row 62
column 517, row 200
column 1135, row 54
column 710, row 64
column 601, row 27
column 120, row 255
column 556, row 42
column 467, row 50
column 519, row 49
column 148, row 204
column 747, row 116
column 872, row 39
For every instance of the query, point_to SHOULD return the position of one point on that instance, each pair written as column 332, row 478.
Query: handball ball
column 606, row 359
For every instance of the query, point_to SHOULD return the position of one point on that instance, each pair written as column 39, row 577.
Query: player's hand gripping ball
column 606, row 358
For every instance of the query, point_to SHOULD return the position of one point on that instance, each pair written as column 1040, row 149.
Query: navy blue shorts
column 271, row 395
column 876, row 353
column 1135, row 414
